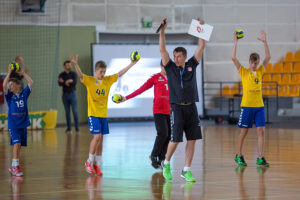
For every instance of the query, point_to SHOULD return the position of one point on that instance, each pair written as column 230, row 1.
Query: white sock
column 15, row 162
column 166, row 162
column 91, row 158
column 99, row 160
column 187, row 169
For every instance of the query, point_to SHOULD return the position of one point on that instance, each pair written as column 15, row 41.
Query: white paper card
column 201, row 31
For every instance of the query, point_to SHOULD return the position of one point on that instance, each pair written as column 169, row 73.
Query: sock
column 187, row 169
column 91, row 158
column 15, row 162
column 166, row 162
column 98, row 160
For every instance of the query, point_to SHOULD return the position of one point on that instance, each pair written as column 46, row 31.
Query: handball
column 14, row 66
column 116, row 98
column 135, row 56
column 239, row 34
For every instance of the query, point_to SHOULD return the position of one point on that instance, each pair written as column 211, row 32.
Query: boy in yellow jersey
column 98, row 87
column 252, row 106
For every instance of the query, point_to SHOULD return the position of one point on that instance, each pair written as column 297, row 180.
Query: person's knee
column 260, row 131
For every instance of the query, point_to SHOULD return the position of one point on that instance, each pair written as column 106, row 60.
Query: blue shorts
column 251, row 115
column 18, row 135
column 98, row 125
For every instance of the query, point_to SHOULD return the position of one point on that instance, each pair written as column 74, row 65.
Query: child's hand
column 122, row 99
column 263, row 36
column 235, row 37
column 74, row 59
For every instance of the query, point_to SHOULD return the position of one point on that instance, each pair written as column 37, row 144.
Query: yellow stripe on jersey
column 97, row 94
column 252, row 87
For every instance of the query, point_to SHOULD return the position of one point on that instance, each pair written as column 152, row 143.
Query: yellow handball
column 14, row 66
column 135, row 56
column 116, row 98
column 239, row 33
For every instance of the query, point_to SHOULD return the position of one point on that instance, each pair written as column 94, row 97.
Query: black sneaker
column 68, row 130
column 154, row 162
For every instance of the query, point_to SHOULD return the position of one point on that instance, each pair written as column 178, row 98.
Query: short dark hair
column 254, row 57
column 100, row 64
column 67, row 61
column 14, row 80
column 180, row 49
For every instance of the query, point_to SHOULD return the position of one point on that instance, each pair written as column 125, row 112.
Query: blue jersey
column 17, row 108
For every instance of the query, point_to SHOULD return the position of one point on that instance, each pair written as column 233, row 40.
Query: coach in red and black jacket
column 161, row 111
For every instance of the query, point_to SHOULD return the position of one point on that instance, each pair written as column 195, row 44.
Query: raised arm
column 162, row 43
column 263, row 38
column 201, row 45
column 123, row 71
column 233, row 57
column 27, row 77
column 74, row 60
column 5, row 81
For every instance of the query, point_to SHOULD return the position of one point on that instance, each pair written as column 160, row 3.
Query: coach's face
column 68, row 66
column 179, row 58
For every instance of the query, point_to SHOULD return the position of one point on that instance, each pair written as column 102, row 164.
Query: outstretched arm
column 74, row 60
column 233, row 57
column 27, row 77
column 6, row 79
column 123, row 71
column 201, row 45
column 263, row 38
column 162, row 43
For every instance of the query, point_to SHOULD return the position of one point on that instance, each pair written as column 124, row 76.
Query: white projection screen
column 118, row 57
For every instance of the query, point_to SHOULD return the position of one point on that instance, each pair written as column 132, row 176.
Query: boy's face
column 100, row 73
column 253, row 64
column 179, row 58
column 14, row 87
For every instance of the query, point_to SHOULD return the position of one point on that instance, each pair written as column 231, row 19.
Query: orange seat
column 289, row 57
column 269, row 68
column 278, row 68
column 288, row 67
column 269, row 89
column 235, row 89
column 267, row 78
column 297, row 56
column 297, row 67
column 294, row 91
column 286, row 79
column 226, row 90
column 284, row 91
column 296, row 79
column 276, row 78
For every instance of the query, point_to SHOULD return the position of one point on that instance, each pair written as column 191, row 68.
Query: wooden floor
column 53, row 164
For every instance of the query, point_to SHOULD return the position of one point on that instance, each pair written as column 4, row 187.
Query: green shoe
column 166, row 171
column 167, row 190
column 188, row 176
column 240, row 160
column 262, row 162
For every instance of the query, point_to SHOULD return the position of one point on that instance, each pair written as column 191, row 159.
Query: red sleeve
column 149, row 83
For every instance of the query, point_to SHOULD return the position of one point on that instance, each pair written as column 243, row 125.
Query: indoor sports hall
column 149, row 99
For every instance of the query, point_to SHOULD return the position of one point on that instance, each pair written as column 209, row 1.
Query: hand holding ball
column 135, row 56
column 239, row 34
column 117, row 98
column 14, row 66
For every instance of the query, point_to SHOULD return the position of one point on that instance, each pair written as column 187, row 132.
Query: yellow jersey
column 97, row 94
column 252, row 87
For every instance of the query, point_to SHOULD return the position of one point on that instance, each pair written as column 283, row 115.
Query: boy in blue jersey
column 18, row 118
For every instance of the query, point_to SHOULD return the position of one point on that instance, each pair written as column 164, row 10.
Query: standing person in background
column 252, row 105
column 68, row 79
column 161, row 111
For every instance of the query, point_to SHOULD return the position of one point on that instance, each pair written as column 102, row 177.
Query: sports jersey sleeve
column 169, row 64
column 112, row 78
column 149, row 83
column 192, row 62
column 261, row 69
column 242, row 71
column 87, row 79
column 27, row 91
column 8, row 95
